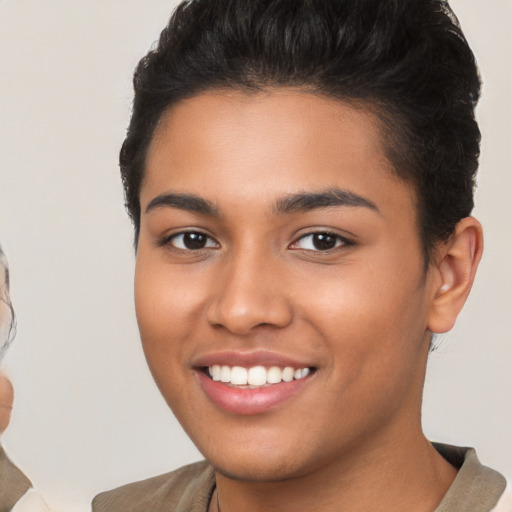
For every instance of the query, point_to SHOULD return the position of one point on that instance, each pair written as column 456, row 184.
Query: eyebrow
column 189, row 202
column 293, row 203
column 306, row 201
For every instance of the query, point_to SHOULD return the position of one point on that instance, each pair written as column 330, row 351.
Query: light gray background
column 87, row 415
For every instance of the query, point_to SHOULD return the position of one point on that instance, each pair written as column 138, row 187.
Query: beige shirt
column 16, row 493
column 13, row 483
column 476, row 488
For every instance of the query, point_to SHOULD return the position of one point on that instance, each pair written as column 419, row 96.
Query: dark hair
column 405, row 60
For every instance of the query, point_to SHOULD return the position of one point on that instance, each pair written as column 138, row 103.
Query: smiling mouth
column 255, row 376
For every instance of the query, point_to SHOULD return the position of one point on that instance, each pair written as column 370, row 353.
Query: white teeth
column 304, row 373
column 274, row 375
column 225, row 374
column 238, row 376
column 288, row 374
column 215, row 372
column 256, row 375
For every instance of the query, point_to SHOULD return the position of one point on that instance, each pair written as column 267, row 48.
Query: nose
column 250, row 294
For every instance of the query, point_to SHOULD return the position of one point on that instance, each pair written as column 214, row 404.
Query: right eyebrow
column 188, row 202
column 307, row 201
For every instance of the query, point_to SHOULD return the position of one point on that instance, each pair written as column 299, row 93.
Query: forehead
column 275, row 141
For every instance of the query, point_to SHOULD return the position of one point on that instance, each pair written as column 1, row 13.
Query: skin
column 361, row 313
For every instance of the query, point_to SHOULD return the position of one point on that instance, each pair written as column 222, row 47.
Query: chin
column 257, row 470
column 262, row 461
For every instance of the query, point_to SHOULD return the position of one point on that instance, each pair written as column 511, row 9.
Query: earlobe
column 456, row 269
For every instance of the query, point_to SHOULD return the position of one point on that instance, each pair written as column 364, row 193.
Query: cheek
column 169, row 308
column 373, row 317
column 161, row 333
column 158, row 310
column 166, row 298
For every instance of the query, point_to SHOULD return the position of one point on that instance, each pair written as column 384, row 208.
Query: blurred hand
column 6, row 400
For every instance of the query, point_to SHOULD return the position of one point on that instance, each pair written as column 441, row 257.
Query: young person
column 300, row 175
column 16, row 493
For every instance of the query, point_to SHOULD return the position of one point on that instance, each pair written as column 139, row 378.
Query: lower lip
column 250, row 401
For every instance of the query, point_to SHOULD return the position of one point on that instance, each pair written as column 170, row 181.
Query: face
column 280, row 285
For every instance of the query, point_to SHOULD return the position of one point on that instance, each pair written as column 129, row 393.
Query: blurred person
column 16, row 492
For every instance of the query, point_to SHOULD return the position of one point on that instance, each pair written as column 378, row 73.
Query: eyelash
column 340, row 241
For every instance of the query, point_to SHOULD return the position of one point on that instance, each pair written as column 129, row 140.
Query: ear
column 456, row 267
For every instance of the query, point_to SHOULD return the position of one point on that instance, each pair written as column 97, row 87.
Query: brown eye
column 321, row 241
column 192, row 241
column 324, row 241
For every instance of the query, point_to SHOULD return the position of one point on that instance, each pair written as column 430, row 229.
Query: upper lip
column 250, row 359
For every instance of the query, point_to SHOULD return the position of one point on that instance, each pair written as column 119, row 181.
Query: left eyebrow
column 307, row 201
column 187, row 202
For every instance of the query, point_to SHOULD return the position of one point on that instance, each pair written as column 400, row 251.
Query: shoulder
column 16, row 492
column 186, row 489
column 476, row 487
column 14, row 484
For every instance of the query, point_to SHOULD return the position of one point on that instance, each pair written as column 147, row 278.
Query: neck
column 405, row 475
